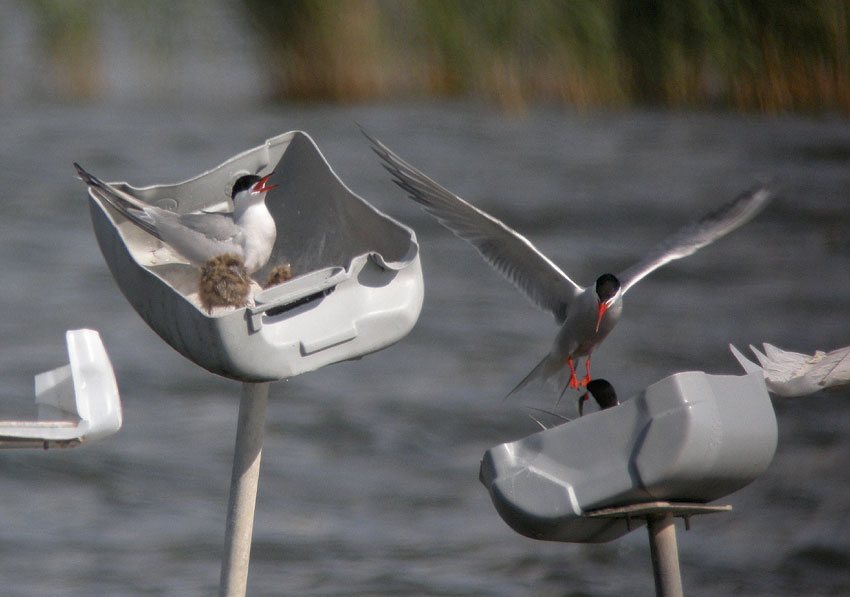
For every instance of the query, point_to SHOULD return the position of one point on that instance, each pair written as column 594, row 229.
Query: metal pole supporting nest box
column 663, row 547
column 665, row 555
column 243, row 489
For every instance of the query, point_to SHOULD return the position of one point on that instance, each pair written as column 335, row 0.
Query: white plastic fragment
column 77, row 403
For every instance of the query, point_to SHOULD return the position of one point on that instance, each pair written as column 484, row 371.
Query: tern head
column 602, row 391
column 607, row 291
column 251, row 185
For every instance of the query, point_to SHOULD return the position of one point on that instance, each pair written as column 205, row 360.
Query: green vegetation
column 66, row 31
column 749, row 54
column 767, row 55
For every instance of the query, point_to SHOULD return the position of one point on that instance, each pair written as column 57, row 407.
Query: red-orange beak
column 261, row 187
column 603, row 306
column 581, row 402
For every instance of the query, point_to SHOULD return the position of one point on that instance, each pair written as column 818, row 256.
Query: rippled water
column 369, row 482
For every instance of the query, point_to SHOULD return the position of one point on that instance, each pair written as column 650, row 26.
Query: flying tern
column 586, row 315
column 248, row 231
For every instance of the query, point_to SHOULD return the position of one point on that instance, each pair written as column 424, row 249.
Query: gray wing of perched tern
column 828, row 368
column 195, row 236
column 505, row 249
column 698, row 234
column 792, row 374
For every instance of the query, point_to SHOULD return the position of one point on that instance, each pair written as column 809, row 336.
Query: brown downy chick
column 279, row 274
column 224, row 282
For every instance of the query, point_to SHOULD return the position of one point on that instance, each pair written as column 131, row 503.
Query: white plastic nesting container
column 357, row 284
column 77, row 403
column 690, row 437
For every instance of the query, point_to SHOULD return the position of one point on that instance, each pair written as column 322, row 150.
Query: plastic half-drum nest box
column 690, row 437
column 356, row 286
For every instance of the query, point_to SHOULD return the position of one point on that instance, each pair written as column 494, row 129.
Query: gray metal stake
column 662, row 535
column 243, row 489
column 665, row 555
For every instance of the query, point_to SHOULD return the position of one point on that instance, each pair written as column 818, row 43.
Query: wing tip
column 85, row 176
column 377, row 146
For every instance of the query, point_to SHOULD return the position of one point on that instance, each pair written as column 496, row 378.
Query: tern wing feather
column 127, row 205
column 510, row 253
column 698, row 234
column 836, row 367
column 215, row 226
column 196, row 236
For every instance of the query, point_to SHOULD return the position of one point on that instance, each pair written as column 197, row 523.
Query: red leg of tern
column 587, row 370
column 573, row 379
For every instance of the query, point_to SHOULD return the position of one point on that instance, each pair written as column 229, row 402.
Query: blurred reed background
column 754, row 55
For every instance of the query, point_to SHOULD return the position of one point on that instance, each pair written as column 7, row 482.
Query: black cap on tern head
column 243, row 183
column 607, row 286
column 602, row 391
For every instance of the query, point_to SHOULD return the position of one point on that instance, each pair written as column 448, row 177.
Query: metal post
column 665, row 555
column 243, row 490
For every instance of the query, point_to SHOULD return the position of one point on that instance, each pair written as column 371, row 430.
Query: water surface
column 369, row 483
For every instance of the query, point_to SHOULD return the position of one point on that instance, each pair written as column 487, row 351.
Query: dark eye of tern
column 607, row 286
column 243, row 183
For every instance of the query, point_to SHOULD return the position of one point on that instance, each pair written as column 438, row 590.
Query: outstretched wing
column 698, row 234
column 506, row 250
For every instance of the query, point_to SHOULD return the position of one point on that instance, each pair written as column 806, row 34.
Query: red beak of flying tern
column 603, row 306
column 261, row 187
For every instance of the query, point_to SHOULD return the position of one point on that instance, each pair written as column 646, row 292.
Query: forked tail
column 545, row 369
column 127, row 206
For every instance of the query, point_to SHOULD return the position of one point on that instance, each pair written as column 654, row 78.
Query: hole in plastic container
column 302, row 301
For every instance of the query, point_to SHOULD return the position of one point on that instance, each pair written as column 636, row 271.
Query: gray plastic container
column 357, row 286
column 690, row 437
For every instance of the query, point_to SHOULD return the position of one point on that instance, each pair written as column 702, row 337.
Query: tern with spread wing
column 248, row 231
column 586, row 315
